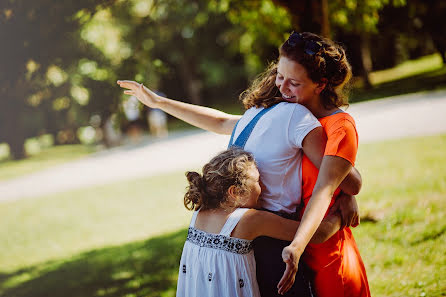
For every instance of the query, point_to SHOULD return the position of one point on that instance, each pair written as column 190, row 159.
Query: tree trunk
column 366, row 60
column 325, row 20
column 356, row 53
column 193, row 84
column 17, row 147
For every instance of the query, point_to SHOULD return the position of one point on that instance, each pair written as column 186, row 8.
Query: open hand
column 145, row 95
column 291, row 258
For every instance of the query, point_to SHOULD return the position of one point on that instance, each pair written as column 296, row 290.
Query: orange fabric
column 342, row 138
column 337, row 266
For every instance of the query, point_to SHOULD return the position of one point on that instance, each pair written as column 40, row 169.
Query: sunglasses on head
column 310, row 47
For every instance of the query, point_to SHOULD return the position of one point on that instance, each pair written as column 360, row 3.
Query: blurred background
column 59, row 104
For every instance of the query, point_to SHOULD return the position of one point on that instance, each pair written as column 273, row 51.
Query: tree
column 40, row 47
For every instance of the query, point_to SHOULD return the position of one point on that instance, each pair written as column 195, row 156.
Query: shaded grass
column 107, row 242
column 48, row 157
column 144, row 268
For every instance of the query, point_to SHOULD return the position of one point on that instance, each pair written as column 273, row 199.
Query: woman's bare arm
column 332, row 172
column 202, row 117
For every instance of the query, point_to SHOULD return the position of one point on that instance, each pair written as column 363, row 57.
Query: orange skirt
column 337, row 266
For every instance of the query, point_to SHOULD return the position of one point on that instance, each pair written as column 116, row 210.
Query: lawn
column 46, row 158
column 126, row 239
column 424, row 74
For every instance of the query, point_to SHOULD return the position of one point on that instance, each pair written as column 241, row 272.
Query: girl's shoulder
column 248, row 224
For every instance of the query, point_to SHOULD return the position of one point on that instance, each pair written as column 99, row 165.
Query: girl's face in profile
column 294, row 84
column 253, row 184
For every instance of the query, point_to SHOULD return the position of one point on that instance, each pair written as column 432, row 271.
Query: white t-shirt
column 276, row 143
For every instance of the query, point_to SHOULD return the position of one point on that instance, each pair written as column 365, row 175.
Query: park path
column 391, row 118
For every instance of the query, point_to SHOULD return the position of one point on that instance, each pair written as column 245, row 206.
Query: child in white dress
column 217, row 258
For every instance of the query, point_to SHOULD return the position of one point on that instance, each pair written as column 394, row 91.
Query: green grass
column 407, row 68
column 125, row 239
column 423, row 74
column 404, row 181
column 45, row 158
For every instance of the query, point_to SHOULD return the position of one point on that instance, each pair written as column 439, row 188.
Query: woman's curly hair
column 210, row 190
column 328, row 65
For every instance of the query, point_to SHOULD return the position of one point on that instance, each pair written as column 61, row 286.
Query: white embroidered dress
column 217, row 265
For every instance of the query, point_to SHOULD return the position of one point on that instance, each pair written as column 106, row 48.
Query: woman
column 277, row 143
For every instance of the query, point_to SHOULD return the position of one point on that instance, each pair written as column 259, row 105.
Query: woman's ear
column 321, row 86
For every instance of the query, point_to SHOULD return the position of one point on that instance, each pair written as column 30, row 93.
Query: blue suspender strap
column 244, row 135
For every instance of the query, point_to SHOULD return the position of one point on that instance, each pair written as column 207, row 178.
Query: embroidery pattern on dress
column 217, row 241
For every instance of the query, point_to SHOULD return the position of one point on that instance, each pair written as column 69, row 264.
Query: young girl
column 217, row 258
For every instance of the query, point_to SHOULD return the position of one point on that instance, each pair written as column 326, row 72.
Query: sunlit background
column 120, row 233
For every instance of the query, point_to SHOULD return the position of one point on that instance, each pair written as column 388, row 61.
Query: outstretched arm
column 202, row 117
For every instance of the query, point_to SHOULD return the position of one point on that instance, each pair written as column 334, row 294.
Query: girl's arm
column 202, row 117
column 332, row 172
column 264, row 223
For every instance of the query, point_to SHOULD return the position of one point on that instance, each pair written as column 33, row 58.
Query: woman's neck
column 318, row 109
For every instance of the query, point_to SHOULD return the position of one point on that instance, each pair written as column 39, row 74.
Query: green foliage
column 359, row 16
column 60, row 61
column 40, row 51
column 260, row 27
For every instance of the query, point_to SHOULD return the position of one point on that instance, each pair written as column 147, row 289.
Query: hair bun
column 195, row 179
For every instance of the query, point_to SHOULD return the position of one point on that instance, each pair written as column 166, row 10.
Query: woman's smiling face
column 294, row 84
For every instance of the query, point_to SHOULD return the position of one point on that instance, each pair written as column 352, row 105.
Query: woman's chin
column 290, row 100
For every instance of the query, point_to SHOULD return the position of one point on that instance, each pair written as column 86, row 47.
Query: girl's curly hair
column 210, row 190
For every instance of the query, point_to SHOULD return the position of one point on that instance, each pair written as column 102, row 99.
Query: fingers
column 128, row 84
column 343, row 220
column 289, row 275
column 129, row 92
column 356, row 221
column 287, row 280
